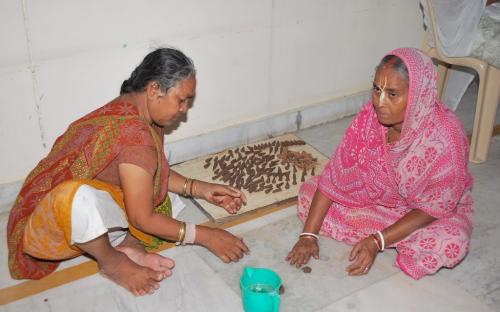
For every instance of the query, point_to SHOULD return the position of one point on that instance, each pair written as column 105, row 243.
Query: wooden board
column 204, row 169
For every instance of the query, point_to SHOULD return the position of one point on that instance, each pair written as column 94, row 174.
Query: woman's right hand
column 301, row 253
column 221, row 243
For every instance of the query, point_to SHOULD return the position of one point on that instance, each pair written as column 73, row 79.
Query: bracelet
column 382, row 241
column 194, row 192
column 182, row 233
column 309, row 235
column 184, row 188
column 191, row 187
column 374, row 237
column 190, row 234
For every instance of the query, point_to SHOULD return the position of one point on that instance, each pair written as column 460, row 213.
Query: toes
column 157, row 276
column 167, row 273
column 147, row 289
column 225, row 259
column 139, row 292
column 167, row 262
column 152, row 287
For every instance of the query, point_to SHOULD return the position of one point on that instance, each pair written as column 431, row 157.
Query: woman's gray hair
column 167, row 66
column 396, row 64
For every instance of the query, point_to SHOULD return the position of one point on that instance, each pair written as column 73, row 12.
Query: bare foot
column 136, row 252
column 139, row 280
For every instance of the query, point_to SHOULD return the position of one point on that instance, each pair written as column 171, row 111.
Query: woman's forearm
column 319, row 207
column 412, row 221
column 176, row 182
column 137, row 186
column 159, row 225
column 168, row 228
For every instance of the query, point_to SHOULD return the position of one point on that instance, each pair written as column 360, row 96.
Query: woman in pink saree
column 398, row 179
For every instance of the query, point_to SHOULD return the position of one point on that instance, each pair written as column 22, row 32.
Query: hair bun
column 124, row 87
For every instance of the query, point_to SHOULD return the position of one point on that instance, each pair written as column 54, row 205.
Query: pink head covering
column 426, row 169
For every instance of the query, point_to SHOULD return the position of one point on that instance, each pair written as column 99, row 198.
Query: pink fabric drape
column 373, row 183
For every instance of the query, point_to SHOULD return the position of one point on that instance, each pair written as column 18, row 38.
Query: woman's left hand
column 363, row 254
column 225, row 196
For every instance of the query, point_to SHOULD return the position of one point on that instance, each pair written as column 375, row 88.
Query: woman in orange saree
column 108, row 171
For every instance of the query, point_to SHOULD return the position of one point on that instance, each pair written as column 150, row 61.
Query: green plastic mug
column 260, row 290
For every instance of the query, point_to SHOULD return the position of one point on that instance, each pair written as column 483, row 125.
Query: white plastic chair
column 488, row 93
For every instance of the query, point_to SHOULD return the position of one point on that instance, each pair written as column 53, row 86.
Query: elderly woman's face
column 389, row 97
column 174, row 104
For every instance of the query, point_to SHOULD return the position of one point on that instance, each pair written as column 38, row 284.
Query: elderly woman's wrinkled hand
column 302, row 251
column 363, row 255
column 227, row 197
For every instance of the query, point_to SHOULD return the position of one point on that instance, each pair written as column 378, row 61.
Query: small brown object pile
column 298, row 160
column 268, row 167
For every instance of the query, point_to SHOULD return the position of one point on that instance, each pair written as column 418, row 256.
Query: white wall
column 255, row 58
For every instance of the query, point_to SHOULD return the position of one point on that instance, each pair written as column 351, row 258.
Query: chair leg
column 442, row 72
column 484, row 120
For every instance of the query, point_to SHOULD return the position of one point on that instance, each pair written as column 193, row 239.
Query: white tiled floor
column 202, row 283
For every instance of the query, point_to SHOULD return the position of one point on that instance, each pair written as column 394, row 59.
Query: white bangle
column 309, row 234
column 382, row 241
column 190, row 233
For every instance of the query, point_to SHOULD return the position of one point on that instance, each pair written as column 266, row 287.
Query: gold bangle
column 191, row 188
column 184, row 188
column 182, row 233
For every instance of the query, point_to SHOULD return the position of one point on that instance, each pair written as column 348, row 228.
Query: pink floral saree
column 373, row 183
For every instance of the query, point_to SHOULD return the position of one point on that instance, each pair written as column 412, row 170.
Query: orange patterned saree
column 87, row 147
